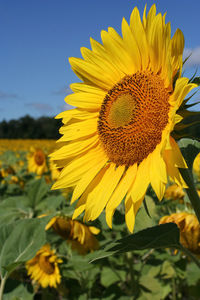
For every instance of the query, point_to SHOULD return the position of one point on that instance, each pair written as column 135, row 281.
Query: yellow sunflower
column 37, row 161
column 43, row 268
column 80, row 236
column 189, row 229
column 117, row 140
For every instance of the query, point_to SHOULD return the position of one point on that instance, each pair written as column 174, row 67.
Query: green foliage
column 19, row 242
column 140, row 266
column 161, row 236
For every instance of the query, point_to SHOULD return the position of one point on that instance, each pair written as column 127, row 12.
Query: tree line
column 29, row 128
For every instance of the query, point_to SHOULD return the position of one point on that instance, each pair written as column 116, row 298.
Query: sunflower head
column 43, row 268
column 174, row 192
column 118, row 139
column 37, row 161
column 189, row 229
column 80, row 236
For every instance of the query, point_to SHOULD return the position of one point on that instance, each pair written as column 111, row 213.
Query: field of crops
column 47, row 255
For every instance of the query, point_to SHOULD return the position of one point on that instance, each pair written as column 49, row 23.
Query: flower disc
column 132, row 117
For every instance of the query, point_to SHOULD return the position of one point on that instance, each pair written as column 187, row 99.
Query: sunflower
column 189, row 229
column 37, row 161
column 80, row 236
column 43, row 268
column 174, row 192
column 118, row 139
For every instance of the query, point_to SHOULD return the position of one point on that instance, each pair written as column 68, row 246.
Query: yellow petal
column 87, row 178
column 120, row 192
column 79, row 166
column 178, row 159
column 79, row 129
column 101, row 194
column 119, row 55
column 85, row 100
column 75, row 148
column 140, row 36
column 142, row 180
column 92, row 73
column 129, row 214
column 131, row 46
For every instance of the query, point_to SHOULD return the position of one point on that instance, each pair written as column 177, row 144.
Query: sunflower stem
column 191, row 191
column 2, row 285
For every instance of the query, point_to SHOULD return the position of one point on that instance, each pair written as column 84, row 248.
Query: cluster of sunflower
column 119, row 145
column 15, row 167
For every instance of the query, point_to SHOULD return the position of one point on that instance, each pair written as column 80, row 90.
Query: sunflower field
column 112, row 209
column 45, row 254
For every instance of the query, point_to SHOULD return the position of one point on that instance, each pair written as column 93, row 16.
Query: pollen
column 132, row 117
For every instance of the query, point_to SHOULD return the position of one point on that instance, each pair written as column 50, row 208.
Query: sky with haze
column 37, row 37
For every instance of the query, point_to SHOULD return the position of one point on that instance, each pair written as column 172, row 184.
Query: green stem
column 3, row 281
column 173, row 289
column 188, row 253
column 129, row 259
column 191, row 191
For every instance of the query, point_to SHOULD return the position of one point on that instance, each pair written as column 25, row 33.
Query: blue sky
column 37, row 37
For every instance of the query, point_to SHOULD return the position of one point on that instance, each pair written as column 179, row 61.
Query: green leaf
column 36, row 191
column 13, row 208
column 154, row 289
column 143, row 220
column 190, row 149
column 50, row 203
column 161, row 236
column 20, row 242
column 110, row 276
column 193, row 274
column 196, row 80
column 15, row 290
column 167, row 270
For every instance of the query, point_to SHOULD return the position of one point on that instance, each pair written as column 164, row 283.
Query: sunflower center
column 45, row 264
column 133, row 115
column 122, row 110
column 39, row 157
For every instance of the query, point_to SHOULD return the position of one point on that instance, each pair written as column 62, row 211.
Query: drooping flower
column 118, row 139
column 80, row 236
column 189, row 229
column 43, row 268
column 174, row 192
column 37, row 161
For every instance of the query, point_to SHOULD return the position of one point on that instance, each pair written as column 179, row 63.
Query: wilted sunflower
column 189, row 229
column 80, row 236
column 118, row 138
column 174, row 192
column 43, row 268
column 37, row 161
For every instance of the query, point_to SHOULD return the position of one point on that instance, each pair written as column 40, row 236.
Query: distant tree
column 30, row 128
